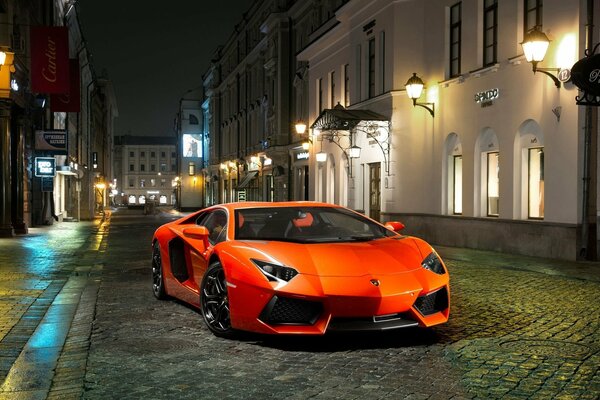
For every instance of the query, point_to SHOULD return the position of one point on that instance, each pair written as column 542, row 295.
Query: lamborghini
column 298, row 268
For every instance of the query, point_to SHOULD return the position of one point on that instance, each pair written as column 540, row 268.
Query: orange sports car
column 298, row 268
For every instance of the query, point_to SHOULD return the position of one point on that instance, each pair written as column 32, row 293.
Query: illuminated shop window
column 142, row 199
column 132, row 199
column 163, row 199
column 536, row 183
column 493, row 184
column 457, row 176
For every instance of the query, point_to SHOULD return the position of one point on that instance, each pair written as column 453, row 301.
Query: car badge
column 375, row 282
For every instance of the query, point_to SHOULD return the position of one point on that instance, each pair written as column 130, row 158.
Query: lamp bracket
column 548, row 72
column 428, row 106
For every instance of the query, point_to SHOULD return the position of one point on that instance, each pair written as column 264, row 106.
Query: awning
column 341, row 119
column 244, row 183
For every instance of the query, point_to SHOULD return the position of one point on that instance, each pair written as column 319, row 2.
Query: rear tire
column 214, row 301
column 158, row 281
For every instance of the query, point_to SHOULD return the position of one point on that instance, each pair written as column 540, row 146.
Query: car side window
column 216, row 223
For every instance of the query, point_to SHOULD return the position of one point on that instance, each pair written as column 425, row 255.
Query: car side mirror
column 199, row 233
column 394, row 226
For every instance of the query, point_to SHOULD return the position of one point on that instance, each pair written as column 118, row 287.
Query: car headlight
column 274, row 271
column 433, row 263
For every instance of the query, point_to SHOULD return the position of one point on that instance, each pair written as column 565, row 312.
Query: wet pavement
column 78, row 320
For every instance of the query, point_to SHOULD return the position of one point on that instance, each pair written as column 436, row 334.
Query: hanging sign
column 54, row 141
column 45, row 166
column 586, row 74
column 49, row 59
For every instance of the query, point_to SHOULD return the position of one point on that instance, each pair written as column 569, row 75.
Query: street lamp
column 535, row 44
column 354, row 152
column 414, row 88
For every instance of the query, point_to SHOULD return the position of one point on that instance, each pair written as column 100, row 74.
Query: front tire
column 158, row 281
column 214, row 301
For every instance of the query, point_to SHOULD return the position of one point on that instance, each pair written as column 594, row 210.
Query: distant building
column 145, row 169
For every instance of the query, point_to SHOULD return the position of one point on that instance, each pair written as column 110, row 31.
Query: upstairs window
column 455, row 39
column 371, row 66
column 490, row 32
column 532, row 14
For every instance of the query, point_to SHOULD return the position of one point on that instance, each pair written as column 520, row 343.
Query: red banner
column 49, row 59
column 68, row 102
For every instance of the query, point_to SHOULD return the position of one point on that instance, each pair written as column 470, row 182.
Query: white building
column 495, row 163
column 145, row 169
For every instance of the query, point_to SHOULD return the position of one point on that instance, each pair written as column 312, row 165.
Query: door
column 375, row 191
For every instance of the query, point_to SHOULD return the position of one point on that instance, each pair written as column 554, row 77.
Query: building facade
column 494, row 157
column 41, row 125
column 145, row 170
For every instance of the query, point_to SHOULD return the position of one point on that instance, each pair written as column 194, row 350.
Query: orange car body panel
column 339, row 276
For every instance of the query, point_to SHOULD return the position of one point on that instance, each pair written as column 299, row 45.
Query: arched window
column 193, row 120
column 454, row 166
column 488, row 181
column 529, row 162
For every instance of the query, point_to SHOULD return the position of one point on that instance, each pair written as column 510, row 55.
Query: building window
column 493, row 184
column 533, row 14
column 142, row 183
column 142, row 167
column 455, row 39
column 131, row 167
column 358, row 73
column 143, row 154
column 130, row 182
column 153, row 167
column 172, row 154
column 320, row 94
column 173, row 167
column 131, row 154
column 163, row 154
column 163, row 167
column 152, row 154
column 536, row 183
column 346, row 85
column 457, row 185
column 490, row 32
column 193, row 120
column 332, row 89
column 153, row 182
column 371, row 66
column 382, row 60
column 163, row 182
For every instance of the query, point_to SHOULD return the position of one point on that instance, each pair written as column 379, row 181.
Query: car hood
column 377, row 257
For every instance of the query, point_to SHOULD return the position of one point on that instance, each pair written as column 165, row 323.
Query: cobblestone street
column 78, row 320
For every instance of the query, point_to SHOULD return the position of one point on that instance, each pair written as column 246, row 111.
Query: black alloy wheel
column 214, row 301
column 158, row 283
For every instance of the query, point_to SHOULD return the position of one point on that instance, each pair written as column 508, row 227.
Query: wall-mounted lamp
column 354, row 152
column 414, row 88
column 191, row 168
column 535, row 44
column 300, row 130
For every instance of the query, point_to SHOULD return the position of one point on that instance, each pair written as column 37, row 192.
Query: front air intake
column 432, row 303
column 285, row 310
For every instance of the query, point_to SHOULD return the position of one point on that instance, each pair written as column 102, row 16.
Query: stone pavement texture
column 78, row 320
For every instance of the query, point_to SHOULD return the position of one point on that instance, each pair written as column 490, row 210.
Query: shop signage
column 45, row 166
column 302, row 155
column 586, row 74
column 55, row 141
column 48, row 184
column 49, row 59
column 486, row 96
column 241, row 195
column 68, row 102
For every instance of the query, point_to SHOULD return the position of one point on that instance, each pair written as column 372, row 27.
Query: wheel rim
column 156, row 270
column 215, row 301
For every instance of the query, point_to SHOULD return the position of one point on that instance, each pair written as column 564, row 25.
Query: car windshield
column 306, row 225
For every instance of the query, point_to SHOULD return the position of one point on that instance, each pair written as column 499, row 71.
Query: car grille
column 285, row 310
column 432, row 302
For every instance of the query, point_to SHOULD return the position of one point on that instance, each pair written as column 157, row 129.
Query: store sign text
column 487, row 96
column 302, row 156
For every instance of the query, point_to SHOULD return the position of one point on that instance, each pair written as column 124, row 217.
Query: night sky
column 154, row 52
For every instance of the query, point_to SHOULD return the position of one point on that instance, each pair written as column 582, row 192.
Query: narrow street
column 78, row 320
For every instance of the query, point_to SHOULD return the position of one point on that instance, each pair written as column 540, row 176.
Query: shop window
column 493, row 184
column 163, row 199
column 142, row 199
column 132, row 199
column 457, row 177
column 536, row 182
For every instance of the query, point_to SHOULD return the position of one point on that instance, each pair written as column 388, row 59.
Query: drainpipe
column 584, row 252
